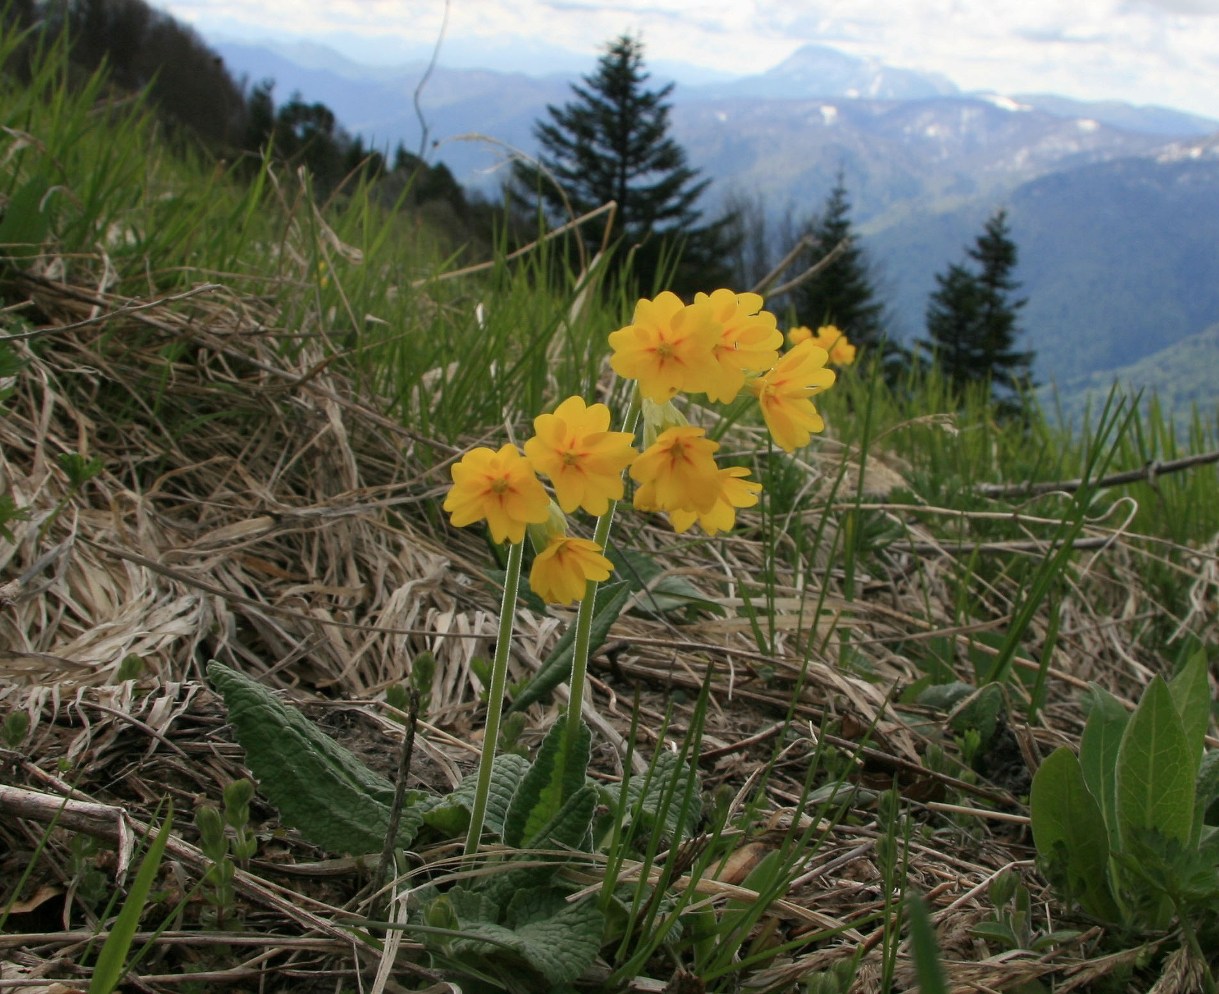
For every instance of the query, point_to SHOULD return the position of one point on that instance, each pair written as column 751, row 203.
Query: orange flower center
column 679, row 452
column 500, row 487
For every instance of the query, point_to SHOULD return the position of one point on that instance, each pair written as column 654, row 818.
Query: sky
column 1163, row 52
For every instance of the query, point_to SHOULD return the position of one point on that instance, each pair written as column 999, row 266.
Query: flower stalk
column 495, row 697
column 581, row 644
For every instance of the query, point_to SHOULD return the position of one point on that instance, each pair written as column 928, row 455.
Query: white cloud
column 1143, row 51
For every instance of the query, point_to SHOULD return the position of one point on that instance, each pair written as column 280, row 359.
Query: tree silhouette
column 612, row 142
column 842, row 294
column 971, row 318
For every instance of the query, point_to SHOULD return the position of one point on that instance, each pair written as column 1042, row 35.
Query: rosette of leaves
column 1122, row 830
column 515, row 927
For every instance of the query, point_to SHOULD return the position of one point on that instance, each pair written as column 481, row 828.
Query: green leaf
column 944, row 696
column 981, row 710
column 997, row 932
column 557, row 939
column 927, row 965
column 1191, row 696
column 25, row 220
column 471, row 905
column 451, row 814
column 557, row 666
column 659, row 594
column 1156, row 772
column 1206, row 792
column 110, row 961
column 320, row 788
column 663, row 791
column 570, row 826
column 1107, row 720
column 1070, row 834
column 554, row 776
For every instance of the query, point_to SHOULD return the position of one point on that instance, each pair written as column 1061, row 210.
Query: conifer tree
column 971, row 317
column 842, row 294
column 612, row 142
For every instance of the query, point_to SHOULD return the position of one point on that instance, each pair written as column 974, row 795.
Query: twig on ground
column 1148, row 473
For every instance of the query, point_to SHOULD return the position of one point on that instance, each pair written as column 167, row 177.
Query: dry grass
column 254, row 508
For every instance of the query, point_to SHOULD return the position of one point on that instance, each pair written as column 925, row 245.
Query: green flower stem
column 584, row 616
column 495, row 696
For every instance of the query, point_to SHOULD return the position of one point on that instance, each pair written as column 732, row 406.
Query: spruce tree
column 612, row 142
column 842, row 294
column 972, row 318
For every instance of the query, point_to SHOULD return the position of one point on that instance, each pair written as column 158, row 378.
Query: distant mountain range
column 1114, row 208
column 1180, row 378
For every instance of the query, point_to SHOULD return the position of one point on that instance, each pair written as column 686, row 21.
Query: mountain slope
column 895, row 154
column 1181, row 377
column 820, row 71
column 1118, row 259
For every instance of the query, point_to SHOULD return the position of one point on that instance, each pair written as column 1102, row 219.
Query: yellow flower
column 561, row 570
column 798, row 334
column 734, row 491
column 831, row 338
column 583, row 459
column 667, row 347
column 749, row 341
column 784, row 394
column 677, row 471
column 500, row 487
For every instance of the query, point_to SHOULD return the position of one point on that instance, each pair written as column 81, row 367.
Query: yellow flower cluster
column 828, row 337
column 717, row 345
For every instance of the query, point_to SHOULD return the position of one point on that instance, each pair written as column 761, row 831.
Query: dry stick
column 286, row 942
column 452, row 274
column 395, row 811
column 1149, row 473
column 1034, row 547
column 824, row 262
column 129, row 308
column 764, row 283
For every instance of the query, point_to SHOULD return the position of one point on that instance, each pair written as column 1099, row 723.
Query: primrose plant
column 521, row 927
column 718, row 345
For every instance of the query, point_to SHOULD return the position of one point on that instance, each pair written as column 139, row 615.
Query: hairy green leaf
column 662, row 791
column 571, row 824
column 981, row 710
column 556, row 939
column 659, row 593
column 944, row 696
column 1070, row 834
column 1191, row 696
column 1107, row 720
column 320, row 788
column 554, row 776
column 1156, row 772
column 451, row 814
